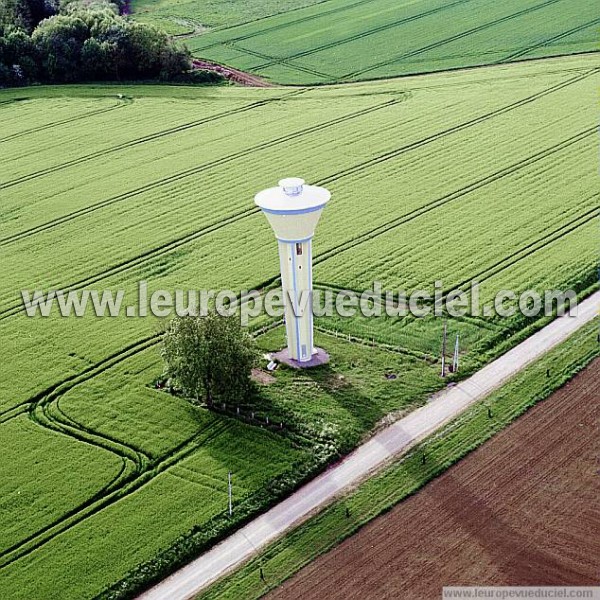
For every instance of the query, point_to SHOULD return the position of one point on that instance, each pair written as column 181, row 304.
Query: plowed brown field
column 524, row 509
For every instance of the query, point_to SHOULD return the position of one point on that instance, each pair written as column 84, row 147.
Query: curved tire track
column 100, row 502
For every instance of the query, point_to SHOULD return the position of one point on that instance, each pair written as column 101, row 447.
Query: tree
column 87, row 41
column 18, row 58
column 59, row 41
column 209, row 357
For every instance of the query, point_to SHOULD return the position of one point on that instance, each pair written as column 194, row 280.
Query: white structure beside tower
column 293, row 209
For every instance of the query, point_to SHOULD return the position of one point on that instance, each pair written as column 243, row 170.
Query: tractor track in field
column 280, row 25
column 86, row 115
column 447, row 198
column 148, row 138
column 350, row 170
column 168, row 247
column 198, row 169
column 73, row 380
column 101, row 501
column 457, row 128
column 366, row 33
column 14, row 412
column 125, row 483
column 529, row 249
column 144, row 257
column 46, row 412
column 267, row 57
column 526, row 51
column 501, row 265
column 453, row 38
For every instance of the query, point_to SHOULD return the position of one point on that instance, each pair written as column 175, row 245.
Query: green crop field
column 184, row 17
column 487, row 174
column 349, row 40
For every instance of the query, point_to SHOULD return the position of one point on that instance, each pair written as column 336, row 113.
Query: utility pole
column 455, row 360
column 229, row 493
column 444, row 349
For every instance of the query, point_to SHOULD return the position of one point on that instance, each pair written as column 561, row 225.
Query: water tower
column 293, row 209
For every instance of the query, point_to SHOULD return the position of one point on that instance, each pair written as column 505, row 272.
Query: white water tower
column 293, row 209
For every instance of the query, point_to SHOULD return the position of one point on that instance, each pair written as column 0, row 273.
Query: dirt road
column 235, row 75
column 524, row 509
column 367, row 458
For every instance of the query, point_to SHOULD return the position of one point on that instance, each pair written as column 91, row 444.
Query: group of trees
column 79, row 40
column 209, row 357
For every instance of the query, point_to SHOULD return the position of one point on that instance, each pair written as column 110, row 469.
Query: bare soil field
column 524, row 509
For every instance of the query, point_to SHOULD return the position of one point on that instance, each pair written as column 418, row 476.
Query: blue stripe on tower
column 303, row 211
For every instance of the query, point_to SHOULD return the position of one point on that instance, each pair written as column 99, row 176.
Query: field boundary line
column 391, row 442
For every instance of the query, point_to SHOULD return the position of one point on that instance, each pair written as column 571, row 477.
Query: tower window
column 299, row 249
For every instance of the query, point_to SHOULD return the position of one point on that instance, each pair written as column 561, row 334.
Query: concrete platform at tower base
column 320, row 357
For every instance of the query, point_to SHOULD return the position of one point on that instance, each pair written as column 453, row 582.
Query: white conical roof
column 292, row 197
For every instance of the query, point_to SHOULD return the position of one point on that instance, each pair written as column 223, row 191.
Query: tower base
column 320, row 357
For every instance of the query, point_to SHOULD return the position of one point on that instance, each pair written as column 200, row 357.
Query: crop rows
column 431, row 179
column 174, row 190
column 455, row 233
column 384, row 38
column 201, row 264
column 372, row 37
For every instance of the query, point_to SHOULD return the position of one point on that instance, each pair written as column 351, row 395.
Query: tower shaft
column 296, row 281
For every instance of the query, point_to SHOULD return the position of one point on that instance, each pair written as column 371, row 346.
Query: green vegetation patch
column 214, row 13
column 103, row 186
column 378, row 494
column 350, row 40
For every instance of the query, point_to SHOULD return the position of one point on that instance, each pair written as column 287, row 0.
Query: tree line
column 67, row 41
